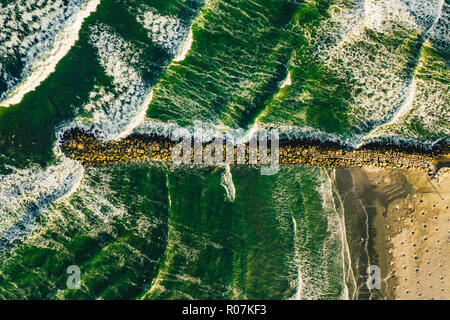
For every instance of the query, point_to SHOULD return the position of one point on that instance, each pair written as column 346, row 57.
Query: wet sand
column 400, row 221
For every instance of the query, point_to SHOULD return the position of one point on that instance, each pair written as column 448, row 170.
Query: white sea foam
column 376, row 72
column 336, row 227
column 185, row 47
column 227, row 183
column 426, row 104
column 252, row 130
column 380, row 81
column 298, row 281
column 336, row 239
column 401, row 112
column 313, row 283
column 139, row 118
column 40, row 35
column 25, row 192
column 440, row 33
column 96, row 196
column 425, row 13
column 331, row 262
column 115, row 112
column 430, row 16
column 344, row 16
column 208, row 131
column 286, row 82
column 202, row 130
column 167, row 32
column 165, row 129
column 90, row 210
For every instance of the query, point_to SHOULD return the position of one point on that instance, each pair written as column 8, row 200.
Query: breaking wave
column 115, row 110
column 33, row 39
column 24, row 193
column 166, row 31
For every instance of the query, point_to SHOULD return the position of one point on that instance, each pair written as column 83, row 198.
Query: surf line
column 63, row 43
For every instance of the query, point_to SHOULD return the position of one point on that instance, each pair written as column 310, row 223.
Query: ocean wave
column 184, row 47
column 440, row 33
column 321, row 264
column 166, row 31
column 374, row 47
column 376, row 71
column 33, row 39
column 26, row 192
column 208, row 131
column 337, row 233
column 425, row 97
column 227, row 184
column 116, row 111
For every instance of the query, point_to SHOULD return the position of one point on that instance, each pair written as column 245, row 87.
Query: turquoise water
column 348, row 70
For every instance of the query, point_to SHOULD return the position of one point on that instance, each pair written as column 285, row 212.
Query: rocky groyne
column 91, row 151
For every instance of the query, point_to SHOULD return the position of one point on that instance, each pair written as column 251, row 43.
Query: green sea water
column 348, row 70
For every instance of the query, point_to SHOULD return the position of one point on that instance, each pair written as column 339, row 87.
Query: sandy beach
column 400, row 221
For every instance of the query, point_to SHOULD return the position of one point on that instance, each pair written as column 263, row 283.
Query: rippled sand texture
column 407, row 230
column 418, row 239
